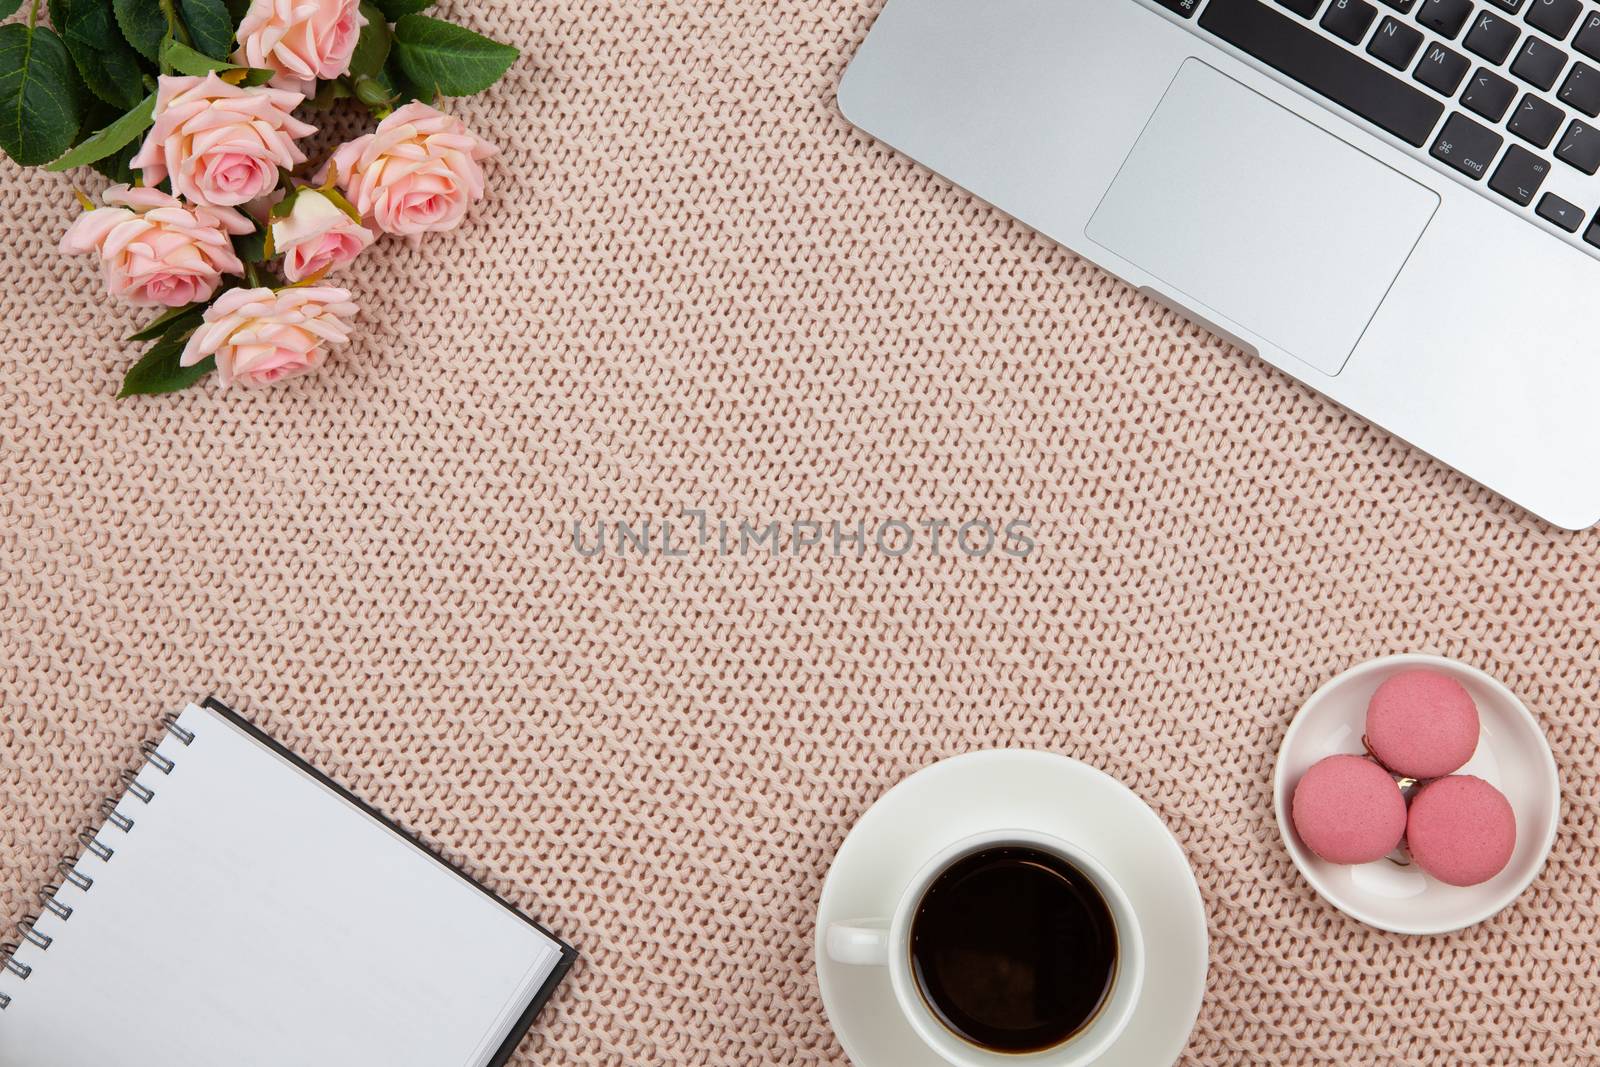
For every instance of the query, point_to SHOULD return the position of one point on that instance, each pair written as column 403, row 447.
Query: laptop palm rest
column 1261, row 217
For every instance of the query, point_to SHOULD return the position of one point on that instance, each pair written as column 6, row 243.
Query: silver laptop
column 1394, row 201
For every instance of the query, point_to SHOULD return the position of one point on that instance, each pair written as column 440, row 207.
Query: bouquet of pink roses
column 216, row 215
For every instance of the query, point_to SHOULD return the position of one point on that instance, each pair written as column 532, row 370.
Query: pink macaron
column 1422, row 724
column 1347, row 809
column 1461, row 830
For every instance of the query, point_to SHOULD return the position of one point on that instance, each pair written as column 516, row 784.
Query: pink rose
column 220, row 144
column 317, row 235
column 302, row 40
column 418, row 172
column 260, row 336
column 155, row 249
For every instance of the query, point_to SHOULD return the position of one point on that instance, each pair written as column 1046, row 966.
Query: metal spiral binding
column 32, row 936
column 15, row 966
column 93, row 846
column 170, row 721
column 47, row 897
column 135, row 788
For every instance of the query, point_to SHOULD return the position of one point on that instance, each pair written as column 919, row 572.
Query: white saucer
column 1513, row 756
column 1033, row 790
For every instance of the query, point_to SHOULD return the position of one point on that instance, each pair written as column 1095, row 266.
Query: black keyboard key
column 1401, row 6
column 1519, row 175
column 1395, row 43
column 1349, row 19
column 1554, row 17
column 1444, row 17
column 1441, row 69
column 1539, row 63
column 1465, row 145
column 1554, row 209
column 1488, row 95
column 1535, row 121
column 1512, row 6
column 1492, row 36
column 1588, row 39
column 1592, row 234
column 1346, row 78
column 1580, row 146
column 1581, row 90
column 1186, row 8
column 1304, row 8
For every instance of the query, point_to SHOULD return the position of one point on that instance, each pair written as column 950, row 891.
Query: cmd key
column 1466, row 146
column 1180, row 7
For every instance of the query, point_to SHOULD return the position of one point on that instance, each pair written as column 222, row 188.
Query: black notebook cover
column 569, row 954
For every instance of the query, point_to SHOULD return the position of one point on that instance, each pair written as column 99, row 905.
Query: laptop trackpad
column 1262, row 217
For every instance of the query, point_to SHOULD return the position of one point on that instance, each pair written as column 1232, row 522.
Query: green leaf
column 210, row 26
column 185, row 60
column 110, row 68
column 118, row 166
column 143, row 24
column 372, row 47
column 394, row 9
column 41, row 99
column 390, row 86
column 88, row 21
column 158, row 371
column 9, row 8
column 251, row 247
column 447, row 58
column 120, row 133
column 177, row 321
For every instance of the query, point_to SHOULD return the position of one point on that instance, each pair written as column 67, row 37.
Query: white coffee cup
column 887, row 943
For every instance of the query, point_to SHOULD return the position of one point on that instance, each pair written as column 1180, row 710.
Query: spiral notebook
column 237, row 907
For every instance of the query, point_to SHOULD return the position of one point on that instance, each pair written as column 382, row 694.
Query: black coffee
column 1014, row 949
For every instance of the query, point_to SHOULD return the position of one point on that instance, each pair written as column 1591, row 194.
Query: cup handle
column 859, row 942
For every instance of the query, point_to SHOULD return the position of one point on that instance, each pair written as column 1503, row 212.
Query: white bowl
column 1512, row 755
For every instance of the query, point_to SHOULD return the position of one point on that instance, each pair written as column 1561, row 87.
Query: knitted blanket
column 696, row 297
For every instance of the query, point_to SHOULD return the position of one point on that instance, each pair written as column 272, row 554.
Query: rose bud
column 317, row 235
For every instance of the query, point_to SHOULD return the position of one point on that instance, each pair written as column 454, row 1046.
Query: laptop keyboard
column 1503, row 93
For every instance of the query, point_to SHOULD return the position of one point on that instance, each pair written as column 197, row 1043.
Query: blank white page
column 255, row 917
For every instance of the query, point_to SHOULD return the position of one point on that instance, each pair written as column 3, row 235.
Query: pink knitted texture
column 694, row 285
